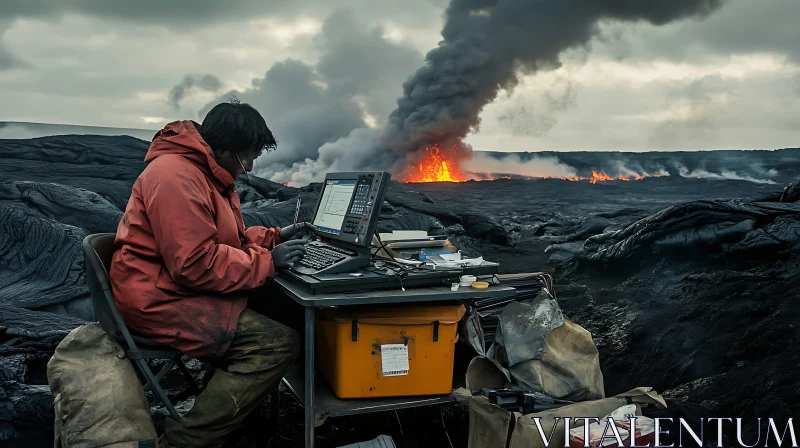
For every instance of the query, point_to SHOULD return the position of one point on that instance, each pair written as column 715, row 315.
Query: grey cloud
column 359, row 62
column 700, row 111
column 7, row 58
column 743, row 26
column 177, row 12
column 535, row 115
column 307, row 106
column 717, row 112
column 182, row 13
column 209, row 83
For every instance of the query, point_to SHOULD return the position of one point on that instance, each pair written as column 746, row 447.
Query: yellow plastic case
column 361, row 352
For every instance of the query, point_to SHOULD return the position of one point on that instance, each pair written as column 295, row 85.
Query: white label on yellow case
column 394, row 359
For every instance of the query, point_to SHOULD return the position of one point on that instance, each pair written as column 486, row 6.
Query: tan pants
column 260, row 354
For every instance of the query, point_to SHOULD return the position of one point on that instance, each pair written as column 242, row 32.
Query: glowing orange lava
column 441, row 166
column 599, row 177
column 436, row 166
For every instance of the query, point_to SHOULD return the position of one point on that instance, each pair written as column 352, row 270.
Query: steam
column 484, row 165
column 332, row 158
column 15, row 131
column 486, row 45
column 623, row 169
column 723, row 175
column 209, row 83
column 535, row 167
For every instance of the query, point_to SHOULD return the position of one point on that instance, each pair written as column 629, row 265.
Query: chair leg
column 161, row 373
column 186, row 373
column 158, row 392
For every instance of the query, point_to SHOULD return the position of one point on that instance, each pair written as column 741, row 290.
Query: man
column 184, row 262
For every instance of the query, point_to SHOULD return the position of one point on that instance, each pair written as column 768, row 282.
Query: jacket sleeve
column 181, row 217
column 266, row 237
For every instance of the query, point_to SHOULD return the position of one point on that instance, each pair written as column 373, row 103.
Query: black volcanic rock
column 476, row 224
column 41, row 229
column 107, row 166
column 27, row 341
column 30, row 326
column 270, row 213
column 399, row 218
column 694, row 227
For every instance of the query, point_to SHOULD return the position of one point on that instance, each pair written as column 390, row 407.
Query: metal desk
column 322, row 400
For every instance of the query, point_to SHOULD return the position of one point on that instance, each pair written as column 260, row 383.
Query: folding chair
column 98, row 250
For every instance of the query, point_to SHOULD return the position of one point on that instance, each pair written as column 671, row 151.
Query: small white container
column 467, row 280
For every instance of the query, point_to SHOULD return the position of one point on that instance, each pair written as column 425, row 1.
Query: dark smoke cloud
column 209, row 83
column 487, row 43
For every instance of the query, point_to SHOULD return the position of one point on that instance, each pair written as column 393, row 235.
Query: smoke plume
column 486, row 45
column 209, row 83
column 15, row 131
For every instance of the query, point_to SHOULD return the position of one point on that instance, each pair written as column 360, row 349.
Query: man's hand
column 296, row 231
column 284, row 254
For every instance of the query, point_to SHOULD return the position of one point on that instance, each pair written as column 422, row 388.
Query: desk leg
column 309, row 380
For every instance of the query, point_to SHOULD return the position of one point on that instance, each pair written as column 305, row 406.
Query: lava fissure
column 439, row 165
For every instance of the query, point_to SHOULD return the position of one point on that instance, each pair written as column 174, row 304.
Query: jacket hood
column 183, row 138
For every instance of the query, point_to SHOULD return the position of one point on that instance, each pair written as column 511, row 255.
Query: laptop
column 340, row 258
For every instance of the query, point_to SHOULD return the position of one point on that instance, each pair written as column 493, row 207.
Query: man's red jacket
column 183, row 258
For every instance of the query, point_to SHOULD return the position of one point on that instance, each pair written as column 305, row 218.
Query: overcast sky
column 317, row 69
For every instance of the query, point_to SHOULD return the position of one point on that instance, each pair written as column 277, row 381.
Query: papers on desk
column 402, row 235
column 452, row 260
column 409, row 239
column 408, row 262
column 451, row 257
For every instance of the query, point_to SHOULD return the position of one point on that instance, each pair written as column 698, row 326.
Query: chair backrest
column 98, row 250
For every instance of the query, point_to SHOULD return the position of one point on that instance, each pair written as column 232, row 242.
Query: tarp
column 116, row 413
column 493, row 427
column 540, row 350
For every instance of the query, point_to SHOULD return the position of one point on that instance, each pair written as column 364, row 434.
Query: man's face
column 237, row 164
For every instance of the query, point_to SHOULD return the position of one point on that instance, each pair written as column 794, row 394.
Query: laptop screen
column 333, row 205
column 346, row 204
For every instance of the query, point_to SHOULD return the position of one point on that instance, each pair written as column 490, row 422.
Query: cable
column 441, row 414
column 398, row 422
column 383, row 245
column 399, row 270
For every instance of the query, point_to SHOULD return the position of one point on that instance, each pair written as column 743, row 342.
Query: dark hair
column 237, row 127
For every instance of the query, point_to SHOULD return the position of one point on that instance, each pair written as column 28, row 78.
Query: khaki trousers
column 260, row 354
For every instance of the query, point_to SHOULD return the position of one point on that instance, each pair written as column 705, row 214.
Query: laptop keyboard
column 323, row 256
